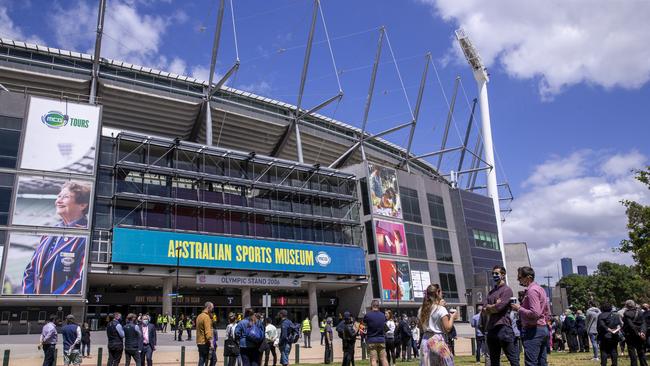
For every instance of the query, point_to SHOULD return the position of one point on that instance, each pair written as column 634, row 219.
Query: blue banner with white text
column 153, row 247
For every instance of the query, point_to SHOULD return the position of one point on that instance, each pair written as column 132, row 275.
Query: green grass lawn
column 555, row 359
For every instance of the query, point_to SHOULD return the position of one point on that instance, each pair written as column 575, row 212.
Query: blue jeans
column 204, row 354
column 499, row 338
column 535, row 341
column 284, row 353
column 594, row 344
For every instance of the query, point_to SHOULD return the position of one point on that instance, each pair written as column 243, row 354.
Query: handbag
column 230, row 348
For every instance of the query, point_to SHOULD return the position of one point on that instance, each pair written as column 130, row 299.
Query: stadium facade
column 171, row 222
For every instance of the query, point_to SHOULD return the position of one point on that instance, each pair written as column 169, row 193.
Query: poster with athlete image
column 395, row 280
column 384, row 191
column 390, row 237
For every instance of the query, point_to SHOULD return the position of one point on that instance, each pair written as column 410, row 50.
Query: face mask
column 496, row 278
column 145, row 322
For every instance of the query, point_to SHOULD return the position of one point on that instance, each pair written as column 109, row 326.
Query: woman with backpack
column 609, row 334
column 250, row 333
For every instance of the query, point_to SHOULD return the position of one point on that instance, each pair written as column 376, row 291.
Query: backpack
column 253, row 333
column 340, row 328
column 293, row 332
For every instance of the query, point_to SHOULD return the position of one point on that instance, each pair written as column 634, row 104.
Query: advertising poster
column 390, row 238
column 384, row 191
column 60, row 136
column 45, row 264
column 52, row 202
column 395, row 280
column 421, row 280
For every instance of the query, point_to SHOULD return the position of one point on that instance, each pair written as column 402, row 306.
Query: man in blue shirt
column 48, row 341
column 375, row 321
column 480, row 338
column 283, row 343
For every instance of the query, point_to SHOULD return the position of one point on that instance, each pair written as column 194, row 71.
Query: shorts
column 72, row 358
column 377, row 351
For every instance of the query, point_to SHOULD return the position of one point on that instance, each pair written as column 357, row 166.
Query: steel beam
column 371, row 88
column 97, row 53
column 303, row 79
column 467, row 171
column 475, row 163
column 467, row 132
column 321, row 106
column 450, row 117
column 216, row 87
column 215, row 43
column 345, row 156
column 416, row 111
column 439, row 152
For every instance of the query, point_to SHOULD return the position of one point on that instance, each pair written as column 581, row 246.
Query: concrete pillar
column 79, row 312
column 313, row 310
column 245, row 298
column 168, row 288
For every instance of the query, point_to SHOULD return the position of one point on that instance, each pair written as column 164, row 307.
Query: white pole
column 486, row 129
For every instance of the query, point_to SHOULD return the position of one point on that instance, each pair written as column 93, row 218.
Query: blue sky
column 568, row 90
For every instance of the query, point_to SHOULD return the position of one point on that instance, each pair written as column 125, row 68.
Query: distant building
column 567, row 266
column 582, row 271
column 517, row 256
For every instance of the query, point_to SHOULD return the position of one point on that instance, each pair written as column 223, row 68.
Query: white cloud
column 8, row 29
column 621, row 164
column 177, row 66
column 578, row 216
column 557, row 42
column 200, row 73
column 129, row 35
column 261, row 87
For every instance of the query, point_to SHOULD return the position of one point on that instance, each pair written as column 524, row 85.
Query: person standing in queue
column 132, row 340
column 287, row 337
column 321, row 328
column 390, row 337
column 349, row 339
column 500, row 336
column 271, row 338
column 329, row 337
column 435, row 321
column 71, row 342
column 634, row 335
column 609, row 328
column 306, row 331
column 250, row 334
column 149, row 340
column 115, row 335
column 533, row 314
column 480, row 337
column 188, row 327
column 48, row 340
column 375, row 322
column 204, row 334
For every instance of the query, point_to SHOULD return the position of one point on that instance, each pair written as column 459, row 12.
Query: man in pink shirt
column 533, row 313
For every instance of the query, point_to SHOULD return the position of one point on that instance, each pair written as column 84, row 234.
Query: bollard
column 182, row 355
column 297, row 354
column 364, row 350
column 100, row 350
column 473, row 346
column 5, row 359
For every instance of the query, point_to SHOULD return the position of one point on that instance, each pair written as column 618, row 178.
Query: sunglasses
column 496, row 273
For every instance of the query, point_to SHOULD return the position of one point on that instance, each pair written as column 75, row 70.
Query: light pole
column 178, row 264
column 397, row 286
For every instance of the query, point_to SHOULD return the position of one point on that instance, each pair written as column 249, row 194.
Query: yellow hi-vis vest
column 322, row 326
column 306, row 326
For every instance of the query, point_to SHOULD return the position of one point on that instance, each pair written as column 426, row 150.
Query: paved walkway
column 24, row 352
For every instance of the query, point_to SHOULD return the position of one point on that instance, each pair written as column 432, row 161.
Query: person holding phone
column 533, row 314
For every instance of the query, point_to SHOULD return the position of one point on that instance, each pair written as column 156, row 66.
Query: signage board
column 238, row 281
column 154, row 247
column 60, row 136
column 384, row 191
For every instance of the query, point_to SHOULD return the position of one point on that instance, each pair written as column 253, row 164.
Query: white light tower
column 482, row 79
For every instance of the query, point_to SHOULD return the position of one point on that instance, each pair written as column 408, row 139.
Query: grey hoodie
column 592, row 320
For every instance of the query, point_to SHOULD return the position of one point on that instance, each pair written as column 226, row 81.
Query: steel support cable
column 399, row 75
column 329, row 45
column 444, row 95
column 234, row 30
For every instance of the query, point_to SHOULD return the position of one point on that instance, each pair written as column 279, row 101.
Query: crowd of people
column 504, row 325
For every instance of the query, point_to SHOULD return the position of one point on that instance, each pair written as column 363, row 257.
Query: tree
column 578, row 289
column 638, row 225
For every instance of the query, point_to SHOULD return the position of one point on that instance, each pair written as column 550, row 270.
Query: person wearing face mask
column 500, row 336
column 533, row 313
column 148, row 340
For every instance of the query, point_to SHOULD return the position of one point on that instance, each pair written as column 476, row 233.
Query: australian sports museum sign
column 153, row 247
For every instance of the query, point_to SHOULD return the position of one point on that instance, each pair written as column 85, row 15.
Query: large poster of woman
column 45, row 264
column 395, row 280
column 52, row 202
column 390, row 237
column 384, row 191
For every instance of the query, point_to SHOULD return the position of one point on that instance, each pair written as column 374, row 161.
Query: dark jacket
column 569, row 326
column 608, row 320
column 115, row 339
column 284, row 331
column 632, row 323
column 85, row 335
column 349, row 334
column 152, row 334
column 405, row 332
column 581, row 324
column 132, row 337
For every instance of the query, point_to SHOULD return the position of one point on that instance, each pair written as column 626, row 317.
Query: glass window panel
column 410, row 204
